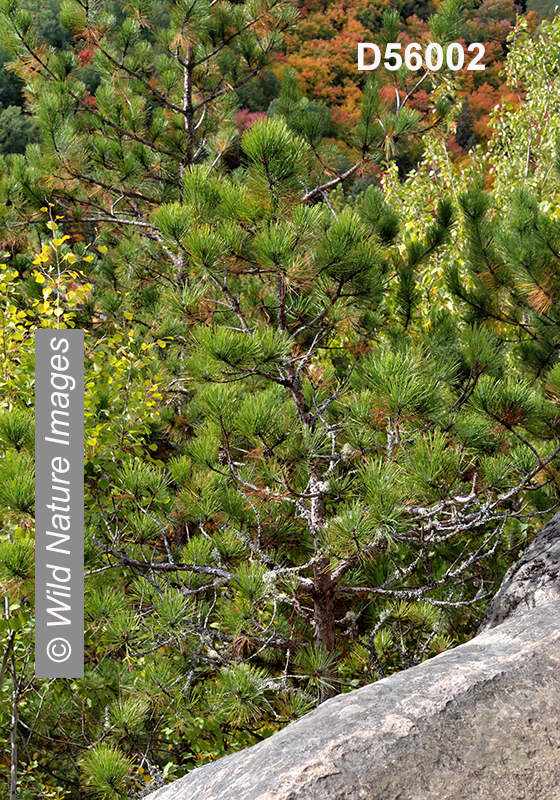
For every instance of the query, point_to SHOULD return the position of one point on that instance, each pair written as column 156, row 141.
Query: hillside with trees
column 322, row 323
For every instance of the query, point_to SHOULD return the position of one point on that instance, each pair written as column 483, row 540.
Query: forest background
column 321, row 315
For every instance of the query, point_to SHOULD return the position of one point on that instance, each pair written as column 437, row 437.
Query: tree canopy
column 321, row 395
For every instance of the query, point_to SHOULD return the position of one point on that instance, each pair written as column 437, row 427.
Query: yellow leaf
column 39, row 278
column 52, row 226
column 87, row 258
column 127, row 315
column 102, row 248
column 58, row 242
column 70, row 257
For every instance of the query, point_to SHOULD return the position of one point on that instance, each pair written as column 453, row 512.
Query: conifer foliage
column 301, row 475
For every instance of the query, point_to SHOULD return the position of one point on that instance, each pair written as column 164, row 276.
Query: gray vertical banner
column 59, row 503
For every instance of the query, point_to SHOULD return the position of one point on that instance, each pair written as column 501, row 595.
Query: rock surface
column 479, row 721
column 532, row 581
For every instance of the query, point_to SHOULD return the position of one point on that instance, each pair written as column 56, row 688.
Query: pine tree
column 512, row 281
column 345, row 476
column 346, row 471
column 145, row 91
column 341, row 474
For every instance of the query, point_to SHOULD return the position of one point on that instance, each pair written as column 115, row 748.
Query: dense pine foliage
column 322, row 374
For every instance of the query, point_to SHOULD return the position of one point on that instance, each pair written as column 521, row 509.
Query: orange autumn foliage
column 323, row 51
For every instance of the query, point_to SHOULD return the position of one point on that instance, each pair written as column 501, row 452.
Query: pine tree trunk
column 188, row 67
column 323, row 593
column 323, row 606
column 323, row 617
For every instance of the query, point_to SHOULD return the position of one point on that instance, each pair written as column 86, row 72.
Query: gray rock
column 532, row 581
column 479, row 721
